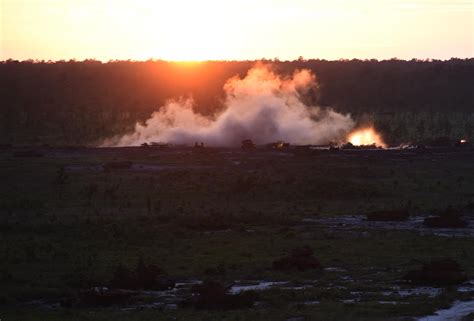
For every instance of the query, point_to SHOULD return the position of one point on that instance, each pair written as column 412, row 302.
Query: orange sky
column 244, row 29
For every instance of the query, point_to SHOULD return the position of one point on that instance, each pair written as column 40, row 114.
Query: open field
column 71, row 216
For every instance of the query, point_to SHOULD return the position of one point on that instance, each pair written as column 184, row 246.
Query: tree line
column 80, row 102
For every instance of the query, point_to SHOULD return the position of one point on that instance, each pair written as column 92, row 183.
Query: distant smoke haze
column 263, row 106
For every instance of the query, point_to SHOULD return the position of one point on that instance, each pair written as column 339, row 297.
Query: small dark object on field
column 448, row 219
column 110, row 166
column 212, row 295
column 300, row 259
column 28, row 153
column 437, row 273
column 394, row 215
column 146, row 277
column 159, row 145
column 198, row 148
column 248, row 144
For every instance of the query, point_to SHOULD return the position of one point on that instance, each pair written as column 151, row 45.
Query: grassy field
column 66, row 224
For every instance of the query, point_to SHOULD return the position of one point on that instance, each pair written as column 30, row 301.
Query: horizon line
column 197, row 61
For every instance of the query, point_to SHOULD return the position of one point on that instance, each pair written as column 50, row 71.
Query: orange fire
column 366, row 136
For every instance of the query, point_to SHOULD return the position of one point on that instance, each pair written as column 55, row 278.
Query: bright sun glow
column 244, row 29
column 366, row 136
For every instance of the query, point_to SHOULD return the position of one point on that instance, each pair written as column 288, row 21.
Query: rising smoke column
column 263, row 106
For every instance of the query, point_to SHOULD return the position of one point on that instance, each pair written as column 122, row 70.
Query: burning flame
column 463, row 141
column 366, row 136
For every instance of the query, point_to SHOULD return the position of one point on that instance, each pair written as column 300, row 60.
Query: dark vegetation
column 70, row 102
column 450, row 218
column 98, row 241
column 300, row 259
column 144, row 277
column 438, row 273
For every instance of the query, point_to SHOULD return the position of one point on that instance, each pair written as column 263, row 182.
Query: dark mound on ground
column 448, row 219
column 300, row 259
column 212, row 295
column 444, row 222
column 395, row 215
column 145, row 277
column 437, row 273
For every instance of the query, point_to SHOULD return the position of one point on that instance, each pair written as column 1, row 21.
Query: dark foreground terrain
column 223, row 234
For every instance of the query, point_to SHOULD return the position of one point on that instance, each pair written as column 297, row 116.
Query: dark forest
column 81, row 102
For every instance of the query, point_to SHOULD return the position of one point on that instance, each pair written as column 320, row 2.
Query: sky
column 236, row 30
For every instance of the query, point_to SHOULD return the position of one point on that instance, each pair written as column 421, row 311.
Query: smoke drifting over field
column 263, row 106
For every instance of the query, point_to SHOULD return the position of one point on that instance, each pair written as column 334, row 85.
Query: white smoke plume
column 263, row 106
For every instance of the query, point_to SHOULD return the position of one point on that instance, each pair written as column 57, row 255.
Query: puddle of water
column 297, row 288
column 348, row 222
column 392, row 302
column 170, row 299
column 456, row 312
column 260, row 286
column 335, row 269
column 466, row 286
column 428, row 291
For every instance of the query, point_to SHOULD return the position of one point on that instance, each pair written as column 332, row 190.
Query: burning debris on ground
column 349, row 145
column 278, row 145
column 462, row 143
